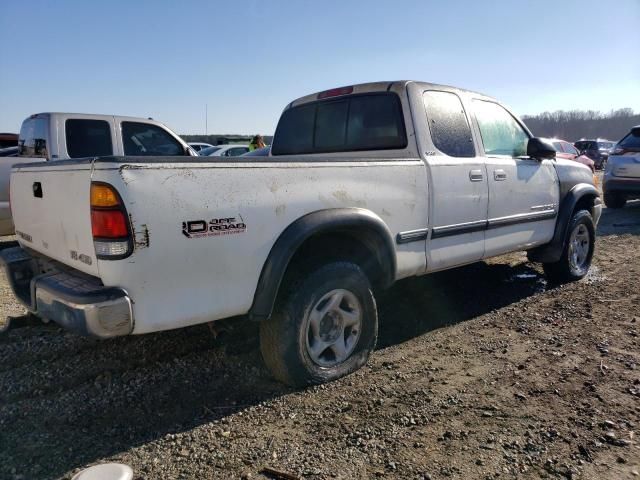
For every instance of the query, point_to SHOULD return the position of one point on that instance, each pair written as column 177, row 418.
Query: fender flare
column 552, row 251
column 364, row 223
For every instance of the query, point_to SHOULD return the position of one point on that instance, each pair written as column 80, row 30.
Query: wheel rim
column 333, row 327
column 579, row 246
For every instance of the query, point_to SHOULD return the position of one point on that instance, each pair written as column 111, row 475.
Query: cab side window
column 88, row 138
column 501, row 133
column 144, row 139
column 450, row 130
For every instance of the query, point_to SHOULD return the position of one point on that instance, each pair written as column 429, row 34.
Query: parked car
column 8, row 140
column 597, row 150
column 197, row 146
column 258, row 152
column 48, row 137
column 622, row 175
column 9, row 152
column 231, row 150
column 567, row 151
column 364, row 185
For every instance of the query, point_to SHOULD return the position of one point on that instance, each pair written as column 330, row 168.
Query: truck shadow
column 68, row 401
column 418, row 305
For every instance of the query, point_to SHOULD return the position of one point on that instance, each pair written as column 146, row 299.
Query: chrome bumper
column 72, row 300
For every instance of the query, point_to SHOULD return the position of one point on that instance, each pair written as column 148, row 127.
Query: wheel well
column 586, row 202
column 364, row 248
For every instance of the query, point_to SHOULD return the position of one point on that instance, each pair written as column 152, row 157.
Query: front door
column 523, row 192
column 458, row 211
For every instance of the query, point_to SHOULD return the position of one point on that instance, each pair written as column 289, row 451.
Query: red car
column 567, row 151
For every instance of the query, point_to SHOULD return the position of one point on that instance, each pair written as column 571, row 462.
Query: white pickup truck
column 364, row 185
column 55, row 136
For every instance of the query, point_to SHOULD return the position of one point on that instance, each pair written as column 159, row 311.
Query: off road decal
column 213, row 228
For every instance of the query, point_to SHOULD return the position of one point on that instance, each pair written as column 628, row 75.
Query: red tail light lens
column 108, row 224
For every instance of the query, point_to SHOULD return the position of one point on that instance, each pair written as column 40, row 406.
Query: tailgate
column 627, row 165
column 51, row 212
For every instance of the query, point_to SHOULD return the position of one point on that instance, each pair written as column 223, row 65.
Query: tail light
column 109, row 223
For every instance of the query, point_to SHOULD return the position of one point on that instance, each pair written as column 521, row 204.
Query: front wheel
column 577, row 253
column 325, row 327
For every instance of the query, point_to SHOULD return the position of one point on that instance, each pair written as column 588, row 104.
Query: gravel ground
column 481, row 372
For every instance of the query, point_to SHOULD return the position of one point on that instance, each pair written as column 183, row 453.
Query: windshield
column 606, row 145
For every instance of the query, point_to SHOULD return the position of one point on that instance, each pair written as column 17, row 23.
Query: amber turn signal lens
column 103, row 196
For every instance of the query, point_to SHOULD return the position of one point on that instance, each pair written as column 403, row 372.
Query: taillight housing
column 110, row 225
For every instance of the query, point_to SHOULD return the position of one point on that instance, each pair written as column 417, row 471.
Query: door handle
column 475, row 175
column 499, row 175
column 37, row 189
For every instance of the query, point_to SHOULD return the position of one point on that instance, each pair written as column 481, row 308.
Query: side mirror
column 540, row 149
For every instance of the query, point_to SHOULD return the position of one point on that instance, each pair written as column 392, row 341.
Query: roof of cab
column 89, row 116
column 384, row 87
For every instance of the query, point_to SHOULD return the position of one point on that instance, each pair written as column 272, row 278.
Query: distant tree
column 576, row 124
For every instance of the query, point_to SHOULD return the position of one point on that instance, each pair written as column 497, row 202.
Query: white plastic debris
column 106, row 471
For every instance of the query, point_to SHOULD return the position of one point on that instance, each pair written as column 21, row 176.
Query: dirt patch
column 481, row 372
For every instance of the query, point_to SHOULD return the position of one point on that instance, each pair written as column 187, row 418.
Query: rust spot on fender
column 141, row 236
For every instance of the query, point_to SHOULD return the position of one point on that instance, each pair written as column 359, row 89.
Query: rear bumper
column 71, row 300
column 630, row 186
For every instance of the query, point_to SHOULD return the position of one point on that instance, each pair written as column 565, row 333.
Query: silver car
column 622, row 174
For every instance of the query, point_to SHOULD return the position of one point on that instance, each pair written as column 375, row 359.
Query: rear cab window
column 32, row 141
column 144, row 139
column 88, row 138
column 346, row 124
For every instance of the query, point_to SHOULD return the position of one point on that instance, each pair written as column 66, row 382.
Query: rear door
column 523, row 192
column 458, row 210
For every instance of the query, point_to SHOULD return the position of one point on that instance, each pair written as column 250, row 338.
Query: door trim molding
column 492, row 223
column 459, row 229
column 412, row 235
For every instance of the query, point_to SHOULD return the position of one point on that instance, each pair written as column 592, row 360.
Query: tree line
column 571, row 126
column 577, row 124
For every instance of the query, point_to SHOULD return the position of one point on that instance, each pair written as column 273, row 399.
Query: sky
column 243, row 61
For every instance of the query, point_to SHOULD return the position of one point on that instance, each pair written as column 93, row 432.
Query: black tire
column 284, row 338
column 614, row 200
column 565, row 270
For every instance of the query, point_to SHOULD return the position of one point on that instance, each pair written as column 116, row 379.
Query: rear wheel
column 325, row 327
column 614, row 200
column 577, row 253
